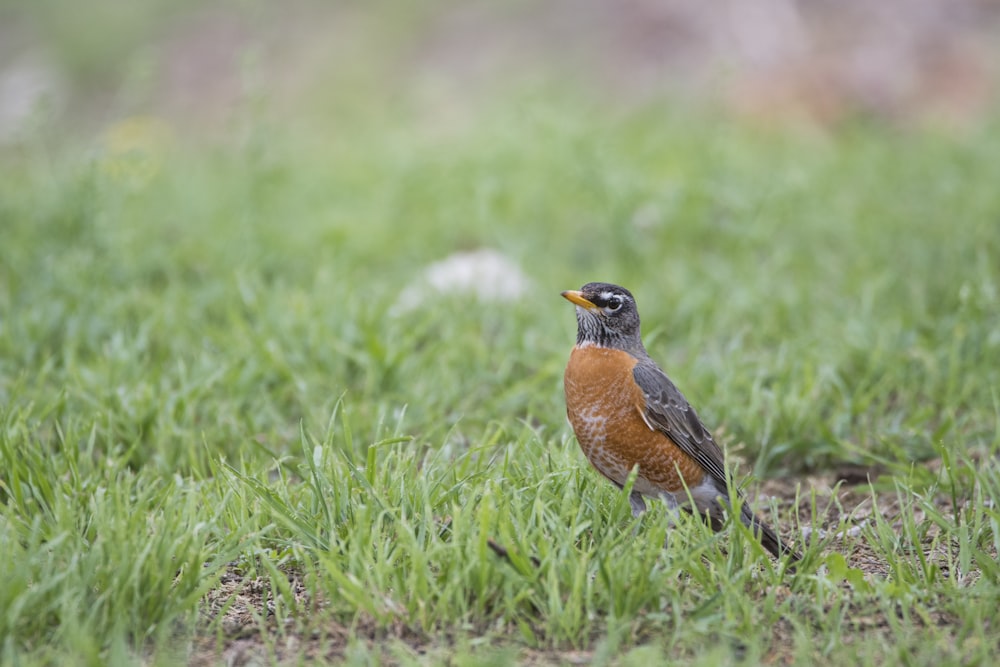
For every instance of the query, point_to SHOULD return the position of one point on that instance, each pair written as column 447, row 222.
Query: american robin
column 627, row 414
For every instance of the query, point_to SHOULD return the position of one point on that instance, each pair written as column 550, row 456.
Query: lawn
column 239, row 424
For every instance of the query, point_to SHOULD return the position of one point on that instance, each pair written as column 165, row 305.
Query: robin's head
column 606, row 315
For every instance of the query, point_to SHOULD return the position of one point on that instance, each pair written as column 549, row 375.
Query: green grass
column 201, row 378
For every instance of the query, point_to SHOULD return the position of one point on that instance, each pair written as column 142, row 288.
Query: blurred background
column 801, row 194
column 196, row 65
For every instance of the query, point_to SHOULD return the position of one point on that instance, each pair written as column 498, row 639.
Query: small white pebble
column 487, row 274
column 853, row 531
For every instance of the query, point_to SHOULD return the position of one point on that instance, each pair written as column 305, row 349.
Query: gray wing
column 668, row 411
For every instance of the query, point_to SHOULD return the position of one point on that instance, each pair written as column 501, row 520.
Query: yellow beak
column 575, row 296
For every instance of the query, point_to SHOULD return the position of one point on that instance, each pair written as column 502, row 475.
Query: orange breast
column 605, row 408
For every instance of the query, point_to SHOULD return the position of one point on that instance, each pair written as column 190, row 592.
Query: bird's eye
column 614, row 303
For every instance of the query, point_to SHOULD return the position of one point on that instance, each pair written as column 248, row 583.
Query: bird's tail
column 768, row 538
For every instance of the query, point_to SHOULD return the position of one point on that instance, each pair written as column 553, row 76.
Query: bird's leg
column 673, row 514
column 637, row 503
column 638, row 508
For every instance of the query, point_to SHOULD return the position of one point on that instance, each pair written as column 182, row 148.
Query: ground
column 243, row 632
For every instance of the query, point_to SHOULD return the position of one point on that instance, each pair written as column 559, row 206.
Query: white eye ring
column 614, row 303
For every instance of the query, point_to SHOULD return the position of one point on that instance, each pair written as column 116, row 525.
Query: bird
column 627, row 414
